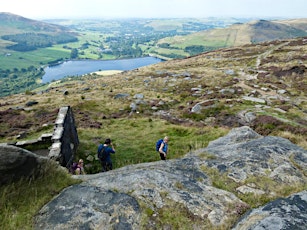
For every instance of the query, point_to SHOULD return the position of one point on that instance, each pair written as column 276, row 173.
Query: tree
column 74, row 53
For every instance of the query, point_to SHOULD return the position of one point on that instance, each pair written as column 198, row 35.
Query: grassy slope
column 99, row 115
column 25, row 59
column 20, row 201
column 207, row 71
column 296, row 23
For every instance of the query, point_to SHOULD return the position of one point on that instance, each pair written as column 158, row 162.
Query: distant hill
column 25, row 46
column 261, row 31
column 296, row 23
column 23, row 34
column 14, row 24
column 234, row 35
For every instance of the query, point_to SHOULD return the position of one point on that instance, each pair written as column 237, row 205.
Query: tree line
column 32, row 41
column 19, row 80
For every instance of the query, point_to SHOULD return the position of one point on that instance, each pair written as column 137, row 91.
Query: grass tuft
column 20, row 201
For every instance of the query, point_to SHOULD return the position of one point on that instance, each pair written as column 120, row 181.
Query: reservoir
column 80, row 67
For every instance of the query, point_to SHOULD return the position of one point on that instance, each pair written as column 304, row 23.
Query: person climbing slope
column 104, row 155
column 163, row 148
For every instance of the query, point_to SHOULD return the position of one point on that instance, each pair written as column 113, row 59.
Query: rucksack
column 158, row 144
column 73, row 167
column 101, row 152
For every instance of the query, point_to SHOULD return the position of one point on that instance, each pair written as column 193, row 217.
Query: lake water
column 80, row 67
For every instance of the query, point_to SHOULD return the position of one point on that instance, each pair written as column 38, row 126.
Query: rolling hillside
column 25, row 39
column 234, row 35
column 28, row 45
column 13, row 25
column 263, row 86
column 300, row 24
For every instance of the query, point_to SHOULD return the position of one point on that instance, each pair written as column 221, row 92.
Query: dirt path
column 267, row 53
column 245, row 76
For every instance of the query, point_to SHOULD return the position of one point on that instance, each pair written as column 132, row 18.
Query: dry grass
column 21, row 200
column 297, row 139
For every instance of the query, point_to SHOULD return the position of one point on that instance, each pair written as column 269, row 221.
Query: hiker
column 80, row 169
column 104, row 155
column 163, row 149
column 77, row 168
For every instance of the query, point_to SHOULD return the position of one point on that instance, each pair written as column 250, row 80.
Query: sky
column 52, row 9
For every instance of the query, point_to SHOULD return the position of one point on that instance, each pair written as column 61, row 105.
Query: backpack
column 101, row 152
column 73, row 167
column 158, row 144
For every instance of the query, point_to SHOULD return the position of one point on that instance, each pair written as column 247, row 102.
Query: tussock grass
column 172, row 216
column 272, row 189
column 175, row 216
column 20, row 201
column 294, row 138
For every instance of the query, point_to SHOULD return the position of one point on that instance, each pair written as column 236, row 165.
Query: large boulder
column 113, row 199
column 17, row 163
column 244, row 153
column 90, row 207
column 285, row 213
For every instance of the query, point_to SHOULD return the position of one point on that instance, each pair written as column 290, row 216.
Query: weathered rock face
column 16, row 163
column 124, row 198
column 244, row 153
column 90, row 207
column 284, row 213
column 154, row 184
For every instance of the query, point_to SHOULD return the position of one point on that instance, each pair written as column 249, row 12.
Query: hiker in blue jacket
column 163, row 150
column 104, row 155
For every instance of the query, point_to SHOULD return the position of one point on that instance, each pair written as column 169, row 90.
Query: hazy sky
column 45, row 9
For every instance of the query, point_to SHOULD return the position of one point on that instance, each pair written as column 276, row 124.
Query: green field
column 32, row 58
column 42, row 56
column 218, row 39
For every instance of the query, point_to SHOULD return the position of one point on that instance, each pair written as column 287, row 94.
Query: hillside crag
column 151, row 195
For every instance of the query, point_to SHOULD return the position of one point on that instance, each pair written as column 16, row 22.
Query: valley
column 25, row 55
column 254, row 85
column 252, row 94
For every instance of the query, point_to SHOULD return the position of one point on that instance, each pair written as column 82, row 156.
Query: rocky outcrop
column 113, row 199
column 90, row 207
column 284, row 213
column 244, row 153
column 17, row 163
column 138, row 196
